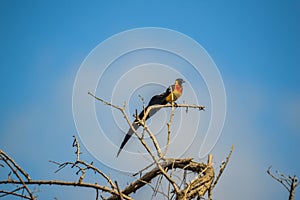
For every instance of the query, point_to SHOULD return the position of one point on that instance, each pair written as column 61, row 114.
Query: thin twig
column 5, row 193
column 169, row 129
column 290, row 183
column 277, row 179
column 153, row 138
column 66, row 183
column 8, row 162
column 119, row 191
column 170, row 106
column 10, row 192
column 141, row 138
column 105, row 102
column 153, row 189
column 97, row 194
column 15, row 165
column 145, row 168
column 86, row 165
column 76, row 144
column 156, row 188
column 222, row 168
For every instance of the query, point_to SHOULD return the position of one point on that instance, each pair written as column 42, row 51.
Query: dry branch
column 197, row 187
column 81, row 165
column 161, row 167
column 290, row 183
column 6, row 157
column 122, row 110
column 222, row 168
column 13, row 193
column 66, row 183
column 16, row 169
column 153, row 138
column 168, row 164
column 200, row 185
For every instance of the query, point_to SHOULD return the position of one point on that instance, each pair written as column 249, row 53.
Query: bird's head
column 179, row 81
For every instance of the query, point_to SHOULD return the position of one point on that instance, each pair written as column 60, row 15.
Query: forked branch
column 82, row 166
column 153, row 138
column 290, row 183
column 202, row 183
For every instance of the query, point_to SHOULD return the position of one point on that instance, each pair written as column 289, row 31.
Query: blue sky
column 255, row 44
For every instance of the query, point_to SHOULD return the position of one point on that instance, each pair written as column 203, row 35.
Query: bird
column 171, row 94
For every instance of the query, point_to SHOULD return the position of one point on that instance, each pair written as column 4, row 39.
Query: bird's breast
column 173, row 96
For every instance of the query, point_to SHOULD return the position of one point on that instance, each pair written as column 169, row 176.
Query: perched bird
column 171, row 94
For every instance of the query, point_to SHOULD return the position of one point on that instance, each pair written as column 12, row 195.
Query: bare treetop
column 290, row 183
column 184, row 178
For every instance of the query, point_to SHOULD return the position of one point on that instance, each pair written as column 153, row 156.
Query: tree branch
column 13, row 193
column 66, row 183
column 222, row 168
column 200, row 185
column 161, row 167
column 15, row 164
column 142, row 121
column 8, row 162
column 168, row 164
column 277, row 179
column 290, row 183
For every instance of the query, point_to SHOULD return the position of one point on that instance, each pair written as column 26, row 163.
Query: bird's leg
column 175, row 104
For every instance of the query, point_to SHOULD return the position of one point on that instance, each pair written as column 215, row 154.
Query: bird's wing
column 170, row 89
column 155, row 100
column 159, row 99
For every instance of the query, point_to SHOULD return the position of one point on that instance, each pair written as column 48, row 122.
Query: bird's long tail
column 128, row 136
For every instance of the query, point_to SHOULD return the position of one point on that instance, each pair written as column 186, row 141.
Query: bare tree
column 290, row 183
column 202, row 175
